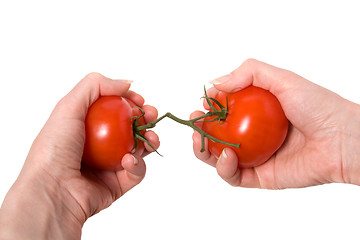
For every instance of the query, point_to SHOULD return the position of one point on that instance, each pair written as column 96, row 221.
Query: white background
column 171, row 49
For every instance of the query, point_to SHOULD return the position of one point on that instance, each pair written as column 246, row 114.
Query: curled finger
column 133, row 173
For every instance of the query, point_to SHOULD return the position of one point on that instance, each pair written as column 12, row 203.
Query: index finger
column 260, row 74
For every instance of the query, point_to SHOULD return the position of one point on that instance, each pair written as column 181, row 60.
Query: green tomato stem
column 190, row 123
column 220, row 115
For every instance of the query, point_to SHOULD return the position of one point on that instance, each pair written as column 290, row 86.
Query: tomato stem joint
column 217, row 113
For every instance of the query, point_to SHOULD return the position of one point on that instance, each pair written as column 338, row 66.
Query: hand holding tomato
column 60, row 190
column 322, row 142
column 110, row 132
column 254, row 120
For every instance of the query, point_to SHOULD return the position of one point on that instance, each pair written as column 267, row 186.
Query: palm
column 92, row 189
column 301, row 161
column 311, row 154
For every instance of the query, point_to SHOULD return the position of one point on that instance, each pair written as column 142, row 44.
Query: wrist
column 36, row 208
column 351, row 146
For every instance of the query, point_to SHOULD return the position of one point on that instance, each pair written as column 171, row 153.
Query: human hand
column 61, row 192
column 323, row 142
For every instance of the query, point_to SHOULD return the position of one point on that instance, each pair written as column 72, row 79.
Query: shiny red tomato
column 109, row 132
column 255, row 120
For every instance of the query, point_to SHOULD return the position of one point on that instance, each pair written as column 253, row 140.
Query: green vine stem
column 220, row 115
column 190, row 123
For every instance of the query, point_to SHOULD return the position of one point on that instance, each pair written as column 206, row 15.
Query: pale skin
column 323, row 142
column 54, row 193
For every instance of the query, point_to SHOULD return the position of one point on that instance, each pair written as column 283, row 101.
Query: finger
column 133, row 173
column 76, row 103
column 153, row 139
column 196, row 114
column 211, row 92
column 295, row 93
column 253, row 178
column 260, row 74
column 107, row 177
column 227, row 167
column 205, row 156
column 134, row 97
column 151, row 113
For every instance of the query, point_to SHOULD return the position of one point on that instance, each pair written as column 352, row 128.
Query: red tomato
column 255, row 120
column 109, row 132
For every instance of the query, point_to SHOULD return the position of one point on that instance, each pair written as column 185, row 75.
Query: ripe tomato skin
column 255, row 120
column 109, row 132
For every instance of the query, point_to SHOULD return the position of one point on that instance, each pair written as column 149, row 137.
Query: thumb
column 260, row 74
column 302, row 101
column 76, row 103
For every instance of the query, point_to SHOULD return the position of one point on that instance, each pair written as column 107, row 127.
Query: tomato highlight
column 250, row 121
column 109, row 132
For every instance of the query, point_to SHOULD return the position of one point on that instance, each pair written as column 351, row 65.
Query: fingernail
column 223, row 157
column 135, row 160
column 222, row 79
column 124, row 81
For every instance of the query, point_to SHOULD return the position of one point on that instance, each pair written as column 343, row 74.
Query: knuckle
column 94, row 75
column 250, row 61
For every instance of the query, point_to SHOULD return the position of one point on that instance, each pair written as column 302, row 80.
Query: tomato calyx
column 222, row 113
column 137, row 132
column 217, row 114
